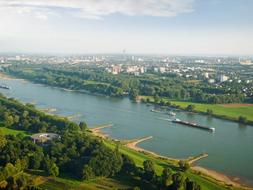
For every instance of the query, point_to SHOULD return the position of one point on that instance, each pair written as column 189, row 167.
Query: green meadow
column 226, row 111
column 8, row 131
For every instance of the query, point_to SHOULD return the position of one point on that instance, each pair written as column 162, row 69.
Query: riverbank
column 8, row 77
column 230, row 112
column 218, row 177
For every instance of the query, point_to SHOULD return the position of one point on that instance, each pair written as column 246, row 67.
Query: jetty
column 101, row 127
column 134, row 142
column 48, row 110
column 195, row 125
column 97, row 130
column 197, row 158
column 70, row 117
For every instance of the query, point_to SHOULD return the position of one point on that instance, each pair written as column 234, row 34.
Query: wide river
column 230, row 148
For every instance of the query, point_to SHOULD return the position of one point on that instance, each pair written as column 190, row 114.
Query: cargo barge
column 195, row 125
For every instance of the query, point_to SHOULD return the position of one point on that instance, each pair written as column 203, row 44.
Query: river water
column 230, row 147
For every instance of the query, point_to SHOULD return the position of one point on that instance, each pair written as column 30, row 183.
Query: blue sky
column 222, row 27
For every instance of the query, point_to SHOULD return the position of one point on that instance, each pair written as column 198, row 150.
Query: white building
column 206, row 75
column 223, row 78
column 116, row 70
column 162, row 69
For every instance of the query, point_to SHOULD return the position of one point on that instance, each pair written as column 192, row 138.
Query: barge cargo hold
column 211, row 129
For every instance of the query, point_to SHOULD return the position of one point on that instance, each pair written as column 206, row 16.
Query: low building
column 43, row 138
column 116, row 70
column 223, row 78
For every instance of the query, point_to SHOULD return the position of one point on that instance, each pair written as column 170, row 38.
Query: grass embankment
column 206, row 182
column 62, row 183
column 225, row 111
column 8, row 131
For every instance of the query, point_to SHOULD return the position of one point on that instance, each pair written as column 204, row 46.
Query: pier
column 97, row 130
column 195, row 159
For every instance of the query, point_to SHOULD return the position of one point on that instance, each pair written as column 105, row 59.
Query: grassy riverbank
column 124, row 182
column 207, row 182
column 225, row 111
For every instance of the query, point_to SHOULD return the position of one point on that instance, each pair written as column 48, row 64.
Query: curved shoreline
column 204, row 172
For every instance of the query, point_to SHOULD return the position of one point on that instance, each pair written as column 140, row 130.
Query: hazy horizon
column 162, row 27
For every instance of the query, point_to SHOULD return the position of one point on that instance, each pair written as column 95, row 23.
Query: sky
column 178, row 27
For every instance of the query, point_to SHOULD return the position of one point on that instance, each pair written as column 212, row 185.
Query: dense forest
column 76, row 153
column 99, row 81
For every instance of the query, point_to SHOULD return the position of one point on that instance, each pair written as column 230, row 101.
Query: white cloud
column 98, row 8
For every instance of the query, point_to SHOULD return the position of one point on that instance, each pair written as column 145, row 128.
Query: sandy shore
column 7, row 77
column 133, row 145
column 217, row 176
column 220, row 177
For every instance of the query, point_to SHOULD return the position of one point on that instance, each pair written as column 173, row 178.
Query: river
column 229, row 148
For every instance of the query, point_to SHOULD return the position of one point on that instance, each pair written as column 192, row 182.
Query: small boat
column 155, row 111
column 5, row 87
column 172, row 113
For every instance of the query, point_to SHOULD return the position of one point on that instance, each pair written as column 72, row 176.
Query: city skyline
column 190, row 27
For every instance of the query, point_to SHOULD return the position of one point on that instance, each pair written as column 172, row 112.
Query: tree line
column 99, row 81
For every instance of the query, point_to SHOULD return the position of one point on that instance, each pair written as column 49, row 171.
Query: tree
column 149, row 171
column 190, row 108
column 191, row 185
column 242, row 119
column 178, row 180
column 184, row 165
column 128, row 165
column 54, row 170
column 133, row 94
column 156, row 98
column 209, row 112
column 87, row 173
column 166, row 177
column 3, row 141
column 9, row 120
column 83, row 126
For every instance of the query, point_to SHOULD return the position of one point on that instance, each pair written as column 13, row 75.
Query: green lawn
column 229, row 111
column 8, row 131
column 58, row 183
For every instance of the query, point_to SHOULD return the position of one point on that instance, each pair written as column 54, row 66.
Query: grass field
column 8, row 131
column 229, row 111
column 59, row 183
